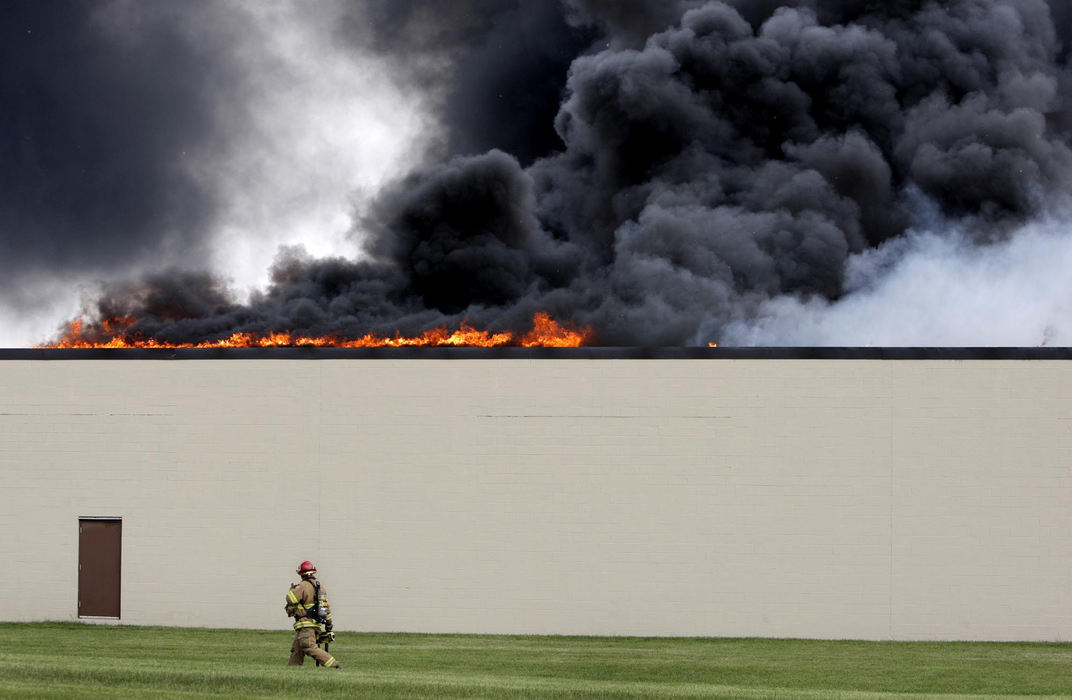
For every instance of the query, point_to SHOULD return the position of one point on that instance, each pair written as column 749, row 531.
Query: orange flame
column 546, row 332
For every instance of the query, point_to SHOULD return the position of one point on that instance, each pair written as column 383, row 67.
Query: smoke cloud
column 94, row 142
column 145, row 134
column 934, row 288
column 674, row 173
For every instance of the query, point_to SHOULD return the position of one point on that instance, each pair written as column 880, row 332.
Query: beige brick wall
column 797, row 498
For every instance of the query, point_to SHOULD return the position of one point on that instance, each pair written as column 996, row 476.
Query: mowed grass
column 71, row 660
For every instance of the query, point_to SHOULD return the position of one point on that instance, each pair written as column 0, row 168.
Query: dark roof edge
column 594, row 353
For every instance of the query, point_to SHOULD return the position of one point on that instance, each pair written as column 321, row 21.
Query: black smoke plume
column 706, row 157
column 93, row 135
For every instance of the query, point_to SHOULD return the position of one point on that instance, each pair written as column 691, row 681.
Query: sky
column 666, row 172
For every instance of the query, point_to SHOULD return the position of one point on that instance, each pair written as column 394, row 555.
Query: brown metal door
column 100, row 544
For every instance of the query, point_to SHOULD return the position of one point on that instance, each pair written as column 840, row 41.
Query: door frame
column 78, row 592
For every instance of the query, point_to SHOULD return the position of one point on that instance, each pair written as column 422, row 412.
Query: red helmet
column 306, row 568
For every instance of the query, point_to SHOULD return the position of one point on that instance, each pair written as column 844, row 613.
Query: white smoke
column 30, row 315
column 324, row 128
column 936, row 288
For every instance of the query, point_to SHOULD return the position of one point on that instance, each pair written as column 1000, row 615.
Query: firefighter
column 303, row 601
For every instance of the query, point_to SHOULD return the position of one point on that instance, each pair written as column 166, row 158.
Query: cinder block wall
column 789, row 498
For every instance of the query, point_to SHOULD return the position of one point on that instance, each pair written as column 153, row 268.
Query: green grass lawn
column 85, row 661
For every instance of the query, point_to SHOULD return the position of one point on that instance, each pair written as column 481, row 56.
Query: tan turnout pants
column 305, row 643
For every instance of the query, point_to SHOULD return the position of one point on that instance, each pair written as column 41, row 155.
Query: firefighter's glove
column 326, row 637
column 327, row 626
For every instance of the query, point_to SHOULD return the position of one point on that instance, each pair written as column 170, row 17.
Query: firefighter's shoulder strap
column 317, row 609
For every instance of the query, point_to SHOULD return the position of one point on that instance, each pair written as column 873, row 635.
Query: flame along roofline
column 519, row 353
